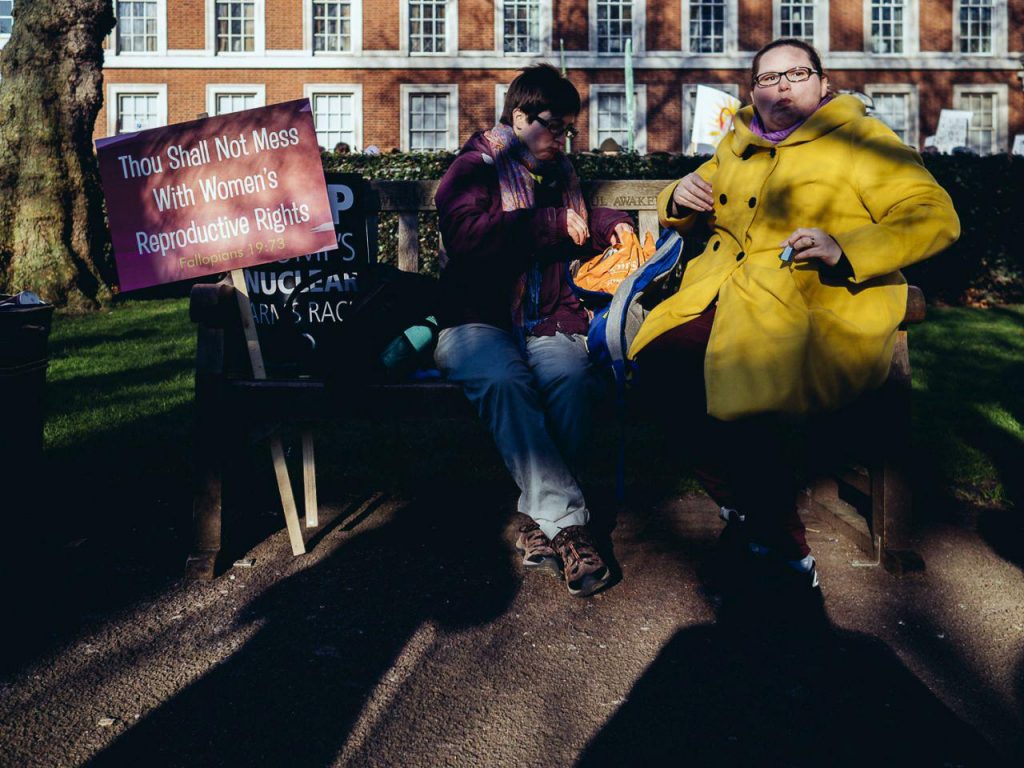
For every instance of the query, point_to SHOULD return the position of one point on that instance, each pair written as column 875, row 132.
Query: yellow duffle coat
column 803, row 337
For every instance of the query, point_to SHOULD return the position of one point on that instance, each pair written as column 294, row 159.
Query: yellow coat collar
column 839, row 111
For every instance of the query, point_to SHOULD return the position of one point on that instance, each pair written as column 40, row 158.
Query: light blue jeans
column 537, row 407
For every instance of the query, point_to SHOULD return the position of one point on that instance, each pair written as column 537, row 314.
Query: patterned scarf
column 758, row 129
column 518, row 171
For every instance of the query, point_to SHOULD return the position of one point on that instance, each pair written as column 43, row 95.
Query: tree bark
column 53, row 232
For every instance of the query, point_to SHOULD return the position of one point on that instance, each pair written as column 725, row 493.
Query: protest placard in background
column 952, row 130
column 215, row 194
column 296, row 301
column 712, row 117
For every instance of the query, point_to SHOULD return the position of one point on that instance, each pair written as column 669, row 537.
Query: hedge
column 986, row 266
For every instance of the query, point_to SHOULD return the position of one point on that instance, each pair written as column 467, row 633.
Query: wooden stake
column 284, row 485
column 309, row 479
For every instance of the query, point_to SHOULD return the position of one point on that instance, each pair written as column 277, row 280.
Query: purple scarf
column 758, row 129
column 516, row 168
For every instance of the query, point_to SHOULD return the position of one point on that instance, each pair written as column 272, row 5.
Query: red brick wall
column 664, row 25
column 846, row 30
column 476, row 25
column 1016, row 19
column 936, row 25
column 186, row 25
column 570, row 23
column 755, row 27
column 380, row 25
column 284, row 24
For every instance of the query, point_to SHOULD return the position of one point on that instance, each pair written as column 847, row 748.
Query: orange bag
column 604, row 273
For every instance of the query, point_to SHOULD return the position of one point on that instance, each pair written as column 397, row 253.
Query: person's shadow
column 326, row 638
column 773, row 683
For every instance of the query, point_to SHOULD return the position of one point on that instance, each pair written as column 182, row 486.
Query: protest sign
column 294, row 302
column 215, row 194
column 1018, row 144
column 712, row 117
column 952, row 130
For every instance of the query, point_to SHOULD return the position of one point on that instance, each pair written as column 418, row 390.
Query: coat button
column 752, row 202
column 740, row 255
column 723, row 199
column 715, row 246
column 771, row 153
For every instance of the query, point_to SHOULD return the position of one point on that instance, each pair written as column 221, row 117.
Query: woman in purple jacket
column 511, row 213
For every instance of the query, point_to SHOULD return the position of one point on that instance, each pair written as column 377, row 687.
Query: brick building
column 423, row 74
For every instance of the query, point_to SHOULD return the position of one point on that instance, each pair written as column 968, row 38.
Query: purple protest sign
column 215, row 194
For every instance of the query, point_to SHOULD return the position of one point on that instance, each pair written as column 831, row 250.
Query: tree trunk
column 52, row 228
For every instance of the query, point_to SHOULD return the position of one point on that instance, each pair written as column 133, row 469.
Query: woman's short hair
column 538, row 88
column 787, row 42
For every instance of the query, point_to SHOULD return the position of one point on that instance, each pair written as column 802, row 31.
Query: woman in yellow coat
column 794, row 304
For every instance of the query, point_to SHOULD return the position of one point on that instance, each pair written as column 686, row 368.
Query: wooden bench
column 227, row 394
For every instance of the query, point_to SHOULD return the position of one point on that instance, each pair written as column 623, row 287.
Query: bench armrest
column 213, row 305
column 915, row 306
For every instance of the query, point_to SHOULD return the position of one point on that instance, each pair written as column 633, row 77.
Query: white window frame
column 452, row 91
column 546, row 26
column 822, row 23
column 114, row 48
column 355, row 90
column 1000, row 25
column 913, row 106
column 639, row 27
column 911, row 30
column 114, row 90
column 260, row 31
column 213, row 90
column 5, row 38
column 357, row 30
column 1001, row 119
column 687, row 102
column 731, row 42
column 500, row 92
column 451, row 36
column 639, row 119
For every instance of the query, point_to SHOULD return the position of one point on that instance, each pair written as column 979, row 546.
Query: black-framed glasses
column 794, row 75
column 558, row 129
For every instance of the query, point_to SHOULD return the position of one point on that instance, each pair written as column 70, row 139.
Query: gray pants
column 537, row 407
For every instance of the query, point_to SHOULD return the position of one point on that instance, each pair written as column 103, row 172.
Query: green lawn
column 120, row 400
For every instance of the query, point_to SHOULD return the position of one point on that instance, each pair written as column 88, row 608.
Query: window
column 797, row 19
column 690, row 107
column 976, row 26
column 236, row 27
column 499, row 101
column 337, row 114
column 222, row 99
column 897, row 107
column 614, row 25
column 135, row 107
column 987, row 132
column 428, row 26
column 429, row 118
column 891, row 26
column 6, row 19
column 136, row 26
column 608, row 118
column 332, row 26
column 707, row 26
column 521, row 26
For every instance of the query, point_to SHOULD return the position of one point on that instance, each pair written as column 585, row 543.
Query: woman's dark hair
column 538, row 88
column 787, row 42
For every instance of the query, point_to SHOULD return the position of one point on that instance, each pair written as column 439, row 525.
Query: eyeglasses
column 794, row 75
column 558, row 129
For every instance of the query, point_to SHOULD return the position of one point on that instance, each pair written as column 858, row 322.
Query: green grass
column 120, row 398
column 969, row 402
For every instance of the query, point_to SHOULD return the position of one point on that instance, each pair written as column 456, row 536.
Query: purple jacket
column 489, row 248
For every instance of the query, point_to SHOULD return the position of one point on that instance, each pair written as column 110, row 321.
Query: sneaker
column 807, row 569
column 536, row 549
column 730, row 515
column 582, row 566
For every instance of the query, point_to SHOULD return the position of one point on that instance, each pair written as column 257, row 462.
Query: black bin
column 24, row 334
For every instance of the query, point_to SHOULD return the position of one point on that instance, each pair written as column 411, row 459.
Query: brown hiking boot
column 582, row 566
column 536, row 549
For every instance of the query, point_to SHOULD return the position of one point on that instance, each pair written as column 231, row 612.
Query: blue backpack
column 613, row 328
